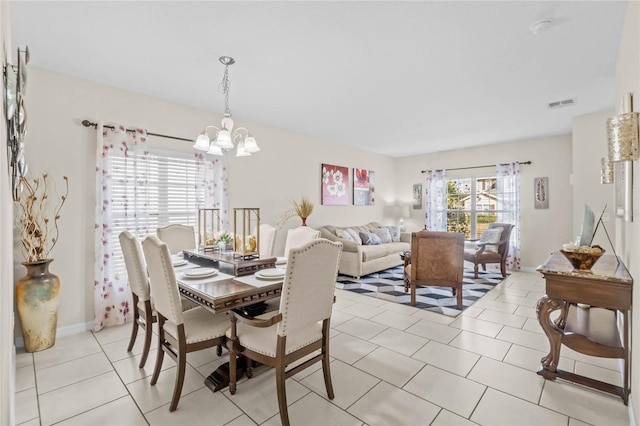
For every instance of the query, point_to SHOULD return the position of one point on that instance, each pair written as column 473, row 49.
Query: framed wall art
column 541, row 192
column 335, row 184
column 417, row 196
column 363, row 187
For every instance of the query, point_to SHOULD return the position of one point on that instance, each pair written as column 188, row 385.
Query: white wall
column 589, row 145
column 287, row 167
column 7, row 348
column 628, row 234
column 542, row 230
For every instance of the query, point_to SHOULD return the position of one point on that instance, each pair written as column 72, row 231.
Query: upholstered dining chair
column 177, row 237
column 437, row 259
column 298, row 236
column 178, row 332
column 300, row 327
column 267, row 240
column 493, row 247
column 143, row 313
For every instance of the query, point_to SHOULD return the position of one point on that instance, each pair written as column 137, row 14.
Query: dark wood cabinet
column 594, row 317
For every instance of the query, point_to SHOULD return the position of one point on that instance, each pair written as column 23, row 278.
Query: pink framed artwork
column 363, row 187
column 335, row 181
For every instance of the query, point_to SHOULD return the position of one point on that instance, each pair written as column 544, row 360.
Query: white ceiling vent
column 561, row 104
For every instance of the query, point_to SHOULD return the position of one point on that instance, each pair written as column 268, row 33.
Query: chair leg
column 248, row 367
column 148, row 332
column 413, row 294
column 134, row 333
column 503, row 269
column 459, row 297
column 232, row 367
column 282, row 393
column 475, row 270
column 177, row 389
column 219, row 350
column 326, row 370
column 160, row 355
column 484, row 267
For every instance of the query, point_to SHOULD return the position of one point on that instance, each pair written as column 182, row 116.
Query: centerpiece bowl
column 583, row 258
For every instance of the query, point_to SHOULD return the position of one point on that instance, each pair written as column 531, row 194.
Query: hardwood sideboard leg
column 544, row 308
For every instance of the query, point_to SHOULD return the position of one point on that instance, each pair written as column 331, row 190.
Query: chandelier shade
column 226, row 137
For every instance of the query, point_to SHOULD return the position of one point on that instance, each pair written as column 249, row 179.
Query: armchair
column 493, row 247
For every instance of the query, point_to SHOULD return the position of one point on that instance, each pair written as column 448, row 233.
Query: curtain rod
column 87, row 123
column 478, row 167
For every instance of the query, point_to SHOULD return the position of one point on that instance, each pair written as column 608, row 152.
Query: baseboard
column 62, row 332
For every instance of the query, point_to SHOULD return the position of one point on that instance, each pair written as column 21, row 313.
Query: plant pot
column 304, row 221
column 37, row 298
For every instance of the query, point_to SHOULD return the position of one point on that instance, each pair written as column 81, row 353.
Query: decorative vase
column 304, row 221
column 37, row 297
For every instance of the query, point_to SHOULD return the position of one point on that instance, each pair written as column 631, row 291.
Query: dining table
column 221, row 292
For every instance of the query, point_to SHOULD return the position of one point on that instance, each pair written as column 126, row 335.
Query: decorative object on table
column 37, row 293
column 582, row 257
column 208, row 228
column 245, row 221
column 622, row 147
column 335, row 184
column 541, row 192
column 226, row 135
column 15, row 83
column 403, row 211
column 363, row 187
column 224, row 241
column 417, row 196
column 301, row 209
column 388, row 285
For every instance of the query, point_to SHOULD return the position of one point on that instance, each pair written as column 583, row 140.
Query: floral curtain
column 112, row 295
column 436, row 201
column 214, row 179
column 508, row 207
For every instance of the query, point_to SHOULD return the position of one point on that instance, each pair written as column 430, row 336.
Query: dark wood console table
column 593, row 330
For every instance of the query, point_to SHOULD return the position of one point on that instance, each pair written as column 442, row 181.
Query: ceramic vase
column 304, row 221
column 37, row 297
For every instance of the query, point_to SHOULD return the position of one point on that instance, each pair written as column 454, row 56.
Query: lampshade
column 224, row 139
column 215, row 150
column 250, row 145
column 606, row 170
column 241, row 152
column 202, row 142
column 622, row 134
column 404, row 211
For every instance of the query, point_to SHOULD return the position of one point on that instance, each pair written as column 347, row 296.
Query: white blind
column 150, row 191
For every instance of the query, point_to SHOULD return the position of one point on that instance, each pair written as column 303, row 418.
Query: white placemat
column 256, row 282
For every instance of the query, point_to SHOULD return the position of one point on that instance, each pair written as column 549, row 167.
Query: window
column 146, row 193
column 471, row 205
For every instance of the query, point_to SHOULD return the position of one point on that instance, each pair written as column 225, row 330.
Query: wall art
column 541, row 192
column 335, row 184
column 363, row 187
column 417, row 196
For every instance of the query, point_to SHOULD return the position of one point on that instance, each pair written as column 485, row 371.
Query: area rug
column 389, row 285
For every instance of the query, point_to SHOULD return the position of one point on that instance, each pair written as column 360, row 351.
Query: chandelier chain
column 223, row 87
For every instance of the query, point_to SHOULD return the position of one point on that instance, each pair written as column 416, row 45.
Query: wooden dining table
column 223, row 292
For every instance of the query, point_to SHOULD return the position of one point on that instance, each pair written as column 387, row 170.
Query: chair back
column 177, row 237
column 162, row 279
column 267, row 240
column 503, row 244
column 309, row 285
column 299, row 236
column 437, row 257
column 135, row 264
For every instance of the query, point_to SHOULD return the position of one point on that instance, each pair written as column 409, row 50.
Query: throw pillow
column 491, row 236
column 354, row 235
column 343, row 234
column 394, row 231
column 369, row 239
column 383, row 233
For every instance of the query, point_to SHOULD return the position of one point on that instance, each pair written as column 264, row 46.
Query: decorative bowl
column 583, row 260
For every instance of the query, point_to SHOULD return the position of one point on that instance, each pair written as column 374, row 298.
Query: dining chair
column 493, row 247
column 437, row 259
column 143, row 313
column 177, row 237
column 178, row 332
column 298, row 328
column 299, row 236
column 267, row 240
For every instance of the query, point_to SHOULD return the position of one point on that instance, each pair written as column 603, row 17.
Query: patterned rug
column 389, row 285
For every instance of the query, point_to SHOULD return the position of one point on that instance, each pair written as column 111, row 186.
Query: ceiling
column 397, row 78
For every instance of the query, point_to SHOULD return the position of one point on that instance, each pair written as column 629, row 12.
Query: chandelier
column 226, row 135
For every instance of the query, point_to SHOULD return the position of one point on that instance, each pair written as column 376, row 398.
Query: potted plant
column 225, row 241
column 37, row 293
column 302, row 209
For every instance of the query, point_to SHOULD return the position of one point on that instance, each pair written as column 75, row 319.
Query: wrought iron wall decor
column 15, row 83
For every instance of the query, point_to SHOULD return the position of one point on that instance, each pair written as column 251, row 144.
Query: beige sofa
column 358, row 260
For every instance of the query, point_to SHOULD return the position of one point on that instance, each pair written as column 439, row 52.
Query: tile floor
column 391, row 365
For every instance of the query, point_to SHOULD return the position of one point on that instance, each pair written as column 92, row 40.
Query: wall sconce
column 606, row 170
column 622, row 135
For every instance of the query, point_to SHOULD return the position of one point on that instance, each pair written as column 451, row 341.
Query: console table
column 593, row 330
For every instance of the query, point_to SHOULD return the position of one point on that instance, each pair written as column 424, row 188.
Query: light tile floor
column 391, row 365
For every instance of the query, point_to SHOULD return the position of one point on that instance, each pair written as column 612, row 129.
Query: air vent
column 561, row 104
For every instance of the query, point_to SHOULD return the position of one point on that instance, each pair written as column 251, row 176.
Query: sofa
column 360, row 259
